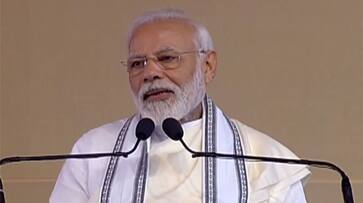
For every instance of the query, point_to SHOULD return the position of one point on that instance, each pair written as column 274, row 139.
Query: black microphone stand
column 345, row 182
column 15, row 159
column 144, row 129
column 173, row 129
column 2, row 195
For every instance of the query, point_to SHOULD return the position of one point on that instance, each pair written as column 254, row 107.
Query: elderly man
column 171, row 61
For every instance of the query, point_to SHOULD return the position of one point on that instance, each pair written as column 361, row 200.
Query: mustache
column 157, row 86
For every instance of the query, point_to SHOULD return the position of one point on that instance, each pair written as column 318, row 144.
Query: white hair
column 203, row 39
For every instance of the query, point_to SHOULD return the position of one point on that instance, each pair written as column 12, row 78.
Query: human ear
column 210, row 66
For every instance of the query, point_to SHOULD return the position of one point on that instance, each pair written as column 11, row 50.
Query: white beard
column 186, row 99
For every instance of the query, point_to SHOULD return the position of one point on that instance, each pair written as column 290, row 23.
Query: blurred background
column 292, row 69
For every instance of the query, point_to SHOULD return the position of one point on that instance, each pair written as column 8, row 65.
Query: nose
column 152, row 71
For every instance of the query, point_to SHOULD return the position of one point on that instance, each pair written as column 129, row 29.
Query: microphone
column 173, row 129
column 144, row 129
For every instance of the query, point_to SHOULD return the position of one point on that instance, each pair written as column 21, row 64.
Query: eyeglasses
column 168, row 59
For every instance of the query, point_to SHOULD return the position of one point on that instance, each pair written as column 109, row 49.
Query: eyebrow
column 133, row 56
column 168, row 49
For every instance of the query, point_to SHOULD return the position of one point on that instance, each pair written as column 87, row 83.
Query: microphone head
column 145, row 127
column 173, row 129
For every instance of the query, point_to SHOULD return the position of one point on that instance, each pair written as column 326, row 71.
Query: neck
column 194, row 115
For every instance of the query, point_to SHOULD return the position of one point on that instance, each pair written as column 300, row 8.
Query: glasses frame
column 154, row 58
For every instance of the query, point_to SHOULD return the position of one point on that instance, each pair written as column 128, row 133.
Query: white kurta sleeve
column 272, row 182
column 80, row 180
column 291, row 194
column 71, row 185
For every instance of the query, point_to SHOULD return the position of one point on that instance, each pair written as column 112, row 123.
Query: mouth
column 157, row 94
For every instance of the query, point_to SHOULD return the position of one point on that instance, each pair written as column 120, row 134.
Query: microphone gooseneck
column 173, row 129
column 144, row 129
column 2, row 196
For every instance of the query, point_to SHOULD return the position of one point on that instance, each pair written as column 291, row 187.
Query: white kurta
column 176, row 177
column 173, row 175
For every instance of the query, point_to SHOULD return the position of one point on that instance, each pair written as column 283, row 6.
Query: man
column 171, row 61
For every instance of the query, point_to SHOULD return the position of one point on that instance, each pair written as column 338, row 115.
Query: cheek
column 182, row 75
column 134, row 85
column 178, row 78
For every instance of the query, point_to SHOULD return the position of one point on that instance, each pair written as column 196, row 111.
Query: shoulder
column 81, row 178
column 266, row 177
column 99, row 139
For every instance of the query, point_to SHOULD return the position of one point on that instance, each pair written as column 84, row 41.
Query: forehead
column 158, row 35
